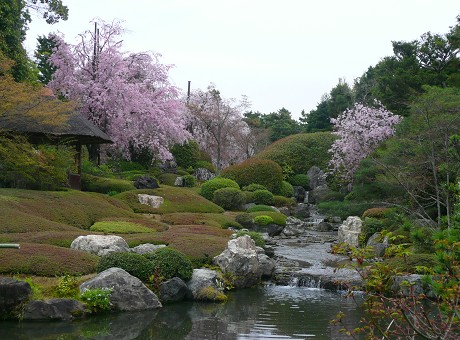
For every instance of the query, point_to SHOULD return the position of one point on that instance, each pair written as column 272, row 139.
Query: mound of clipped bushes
column 105, row 185
column 135, row 264
column 262, row 197
column 286, row 189
column 259, row 171
column 208, row 188
column 301, row 151
column 171, row 263
column 300, row 180
column 229, row 198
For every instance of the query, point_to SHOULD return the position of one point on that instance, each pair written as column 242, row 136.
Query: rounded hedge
column 260, row 207
column 189, row 181
column 262, row 197
column 229, row 198
column 259, row 171
column 286, row 189
column 171, row 263
column 301, row 151
column 208, row 188
column 135, row 264
column 300, row 180
column 187, row 154
column 206, row 165
column 281, row 201
column 263, row 220
column 254, row 187
column 245, row 220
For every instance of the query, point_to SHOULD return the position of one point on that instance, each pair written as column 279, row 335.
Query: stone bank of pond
column 270, row 312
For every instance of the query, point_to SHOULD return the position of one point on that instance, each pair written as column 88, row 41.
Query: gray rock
column 324, row 226
column 173, row 290
column 349, row 231
column 146, row 248
column 169, row 166
column 100, row 245
column 316, row 177
column 301, row 211
column 378, row 245
column 153, row 201
column 415, row 285
column 12, row 294
column 274, row 229
column 146, row 182
column 318, row 194
column 179, row 182
column 128, row 294
column 267, row 265
column 285, row 211
column 299, row 194
column 54, row 309
column 202, row 278
column 294, row 227
column 240, row 259
column 203, row 174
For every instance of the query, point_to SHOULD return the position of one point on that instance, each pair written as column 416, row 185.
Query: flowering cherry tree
column 128, row 96
column 360, row 130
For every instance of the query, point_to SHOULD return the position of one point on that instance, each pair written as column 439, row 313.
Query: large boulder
column 128, row 292
column 319, row 194
column 151, row 200
column 202, row 279
column 316, row 177
column 299, row 194
column 294, row 227
column 168, row 166
column 302, row 211
column 54, row 309
column 100, row 245
column 12, row 294
column 240, row 259
column 267, row 265
column 203, row 174
column 173, row 290
column 146, row 248
column 274, row 229
column 349, row 231
column 146, row 182
column 378, row 245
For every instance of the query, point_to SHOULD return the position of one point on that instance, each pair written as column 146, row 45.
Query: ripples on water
column 272, row 312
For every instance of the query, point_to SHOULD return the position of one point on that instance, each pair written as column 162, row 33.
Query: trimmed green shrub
column 105, row 185
column 248, row 196
column 254, row 187
column 120, row 227
column 257, row 237
column 245, row 219
column 260, row 207
column 286, row 189
column 171, row 263
column 301, row 151
column 187, row 154
column 281, row 201
column 231, row 224
column 208, row 188
column 135, row 264
column 370, row 227
column 182, row 172
column 229, row 198
column 376, row 212
column 262, row 197
column 168, row 179
column 278, row 218
column 260, row 171
column 189, row 181
column 263, row 220
column 300, row 180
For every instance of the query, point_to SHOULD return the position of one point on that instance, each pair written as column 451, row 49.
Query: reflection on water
column 271, row 312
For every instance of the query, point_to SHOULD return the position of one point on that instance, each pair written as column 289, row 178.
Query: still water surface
column 271, row 312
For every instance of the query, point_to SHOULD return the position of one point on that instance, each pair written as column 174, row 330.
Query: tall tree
column 45, row 48
column 216, row 123
column 128, row 96
column 280, row 124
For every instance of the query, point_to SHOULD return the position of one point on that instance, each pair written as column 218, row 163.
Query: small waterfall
column 309, row 282
column 305, row 200
column 293, row 282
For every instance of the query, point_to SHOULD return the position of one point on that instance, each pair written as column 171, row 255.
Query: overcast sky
column 278, row 53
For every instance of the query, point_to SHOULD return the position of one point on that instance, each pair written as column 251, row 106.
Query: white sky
column 278, row 53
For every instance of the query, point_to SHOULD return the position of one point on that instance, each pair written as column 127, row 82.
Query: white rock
column 100, row 245
column 153, row 201
column 349, row 231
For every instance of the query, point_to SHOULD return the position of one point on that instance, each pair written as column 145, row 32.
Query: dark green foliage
column 422, row 238
column 26, row 166
column 245, row 219
column 171, row 263
column 281, row 201
column 254, row 187
column 168, row 179
column 206, row 165
column 410, row 263
column 262, row 197
column 286, row 189
column 371, row 226
column 229, row 198
column 256, row 237
column 299, row 180
column 343, row 208
column 260, row 171
column 280, row 124
column 189, row 181
column 208, row 188
column 278, row 218
column 135, row 264
column 105, row 185
column 43, row 52
column 263, row 220
column 187, row 154
column 231, row 224
column 301, row 151
column 260, row 207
